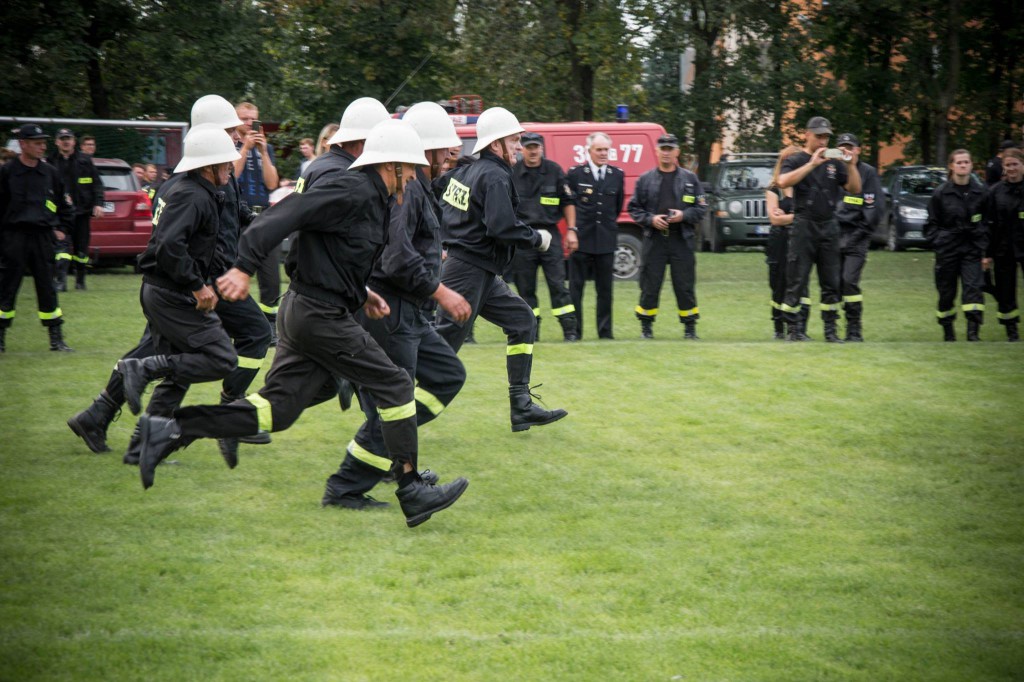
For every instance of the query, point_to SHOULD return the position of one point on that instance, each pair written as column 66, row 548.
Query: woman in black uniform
column 779, row 207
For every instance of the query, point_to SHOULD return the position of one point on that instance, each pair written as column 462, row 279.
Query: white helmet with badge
column 206, row 145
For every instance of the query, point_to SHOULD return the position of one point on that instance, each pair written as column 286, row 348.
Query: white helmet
column 359, row 118
column 392, row 141
column 214, row 109
column 206, row 145
column 494, row 124
column 433, row 124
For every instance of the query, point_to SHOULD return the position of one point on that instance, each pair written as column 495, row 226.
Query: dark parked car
column 737, row 214
column 908, row 190
column 123, row 231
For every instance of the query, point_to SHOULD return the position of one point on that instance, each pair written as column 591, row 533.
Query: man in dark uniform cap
column 84, row 188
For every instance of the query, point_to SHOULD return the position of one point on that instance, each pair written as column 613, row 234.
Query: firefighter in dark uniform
column 779, row 207
column 600, row 192
column 544, row 196
column 347, row 142
column 814, row 238
column 407, row 277
column 243, row 320
column 858, row 215
column 84, row 189
column 957, row 231
column 1006, row 245
column 668, row 204
column 340, row 229
column 994, row 167
column 481, row 233
column 33, row 213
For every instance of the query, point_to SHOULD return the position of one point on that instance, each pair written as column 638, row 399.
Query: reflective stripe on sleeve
column 270, row 310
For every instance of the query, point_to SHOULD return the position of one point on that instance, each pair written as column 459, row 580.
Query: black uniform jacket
column 479, row 211
column 1006, row 219
column 183, row 247
column 861, row 212
column 235, row 216
column 410, row 266
column 643, row 206
column 340, row 230
column 328, row 165
column 82, row 181
column 32, row 198
column 543, row 191
column 598, row 205
column 958, row 224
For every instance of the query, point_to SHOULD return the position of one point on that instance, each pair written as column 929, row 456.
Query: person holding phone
column 669, row 203
column 257, row 178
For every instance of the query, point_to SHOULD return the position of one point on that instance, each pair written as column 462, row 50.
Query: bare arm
column 776, row 216
column 795, row 176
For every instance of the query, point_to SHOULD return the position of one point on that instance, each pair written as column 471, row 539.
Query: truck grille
column 754, row 208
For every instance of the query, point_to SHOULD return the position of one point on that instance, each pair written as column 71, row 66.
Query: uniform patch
column 549, row 201
column 869, row 198
column 51, row 206
column 84, row 181
column 457, row 195
column 856, row 201
column 689, row 199
column 160, row 203
column 830, row 171
column 976, row 218
column 300, row 185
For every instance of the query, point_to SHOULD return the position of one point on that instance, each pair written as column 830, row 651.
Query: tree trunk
column 94, row 72
column 948, row 92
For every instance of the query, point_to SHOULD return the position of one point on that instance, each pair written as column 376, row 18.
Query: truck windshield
column 744, row 177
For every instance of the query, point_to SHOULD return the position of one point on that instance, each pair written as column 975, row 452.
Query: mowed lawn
column 729, row 509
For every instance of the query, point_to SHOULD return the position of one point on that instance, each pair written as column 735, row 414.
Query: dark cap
column 668, row 140
column 65, row 132
column 847, row 138
column 1008, row 144
column 819, row 125
column 30, row 131
column 531, row 138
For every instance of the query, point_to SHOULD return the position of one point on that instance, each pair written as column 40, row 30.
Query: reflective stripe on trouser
column 775, row 256
column 23, row 252
column 249, row 330
column 523, row 274
column 1005, row 280
column 675, row 250
column 965, row 269
column 813, row 244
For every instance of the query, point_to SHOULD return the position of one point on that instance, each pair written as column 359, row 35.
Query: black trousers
column 28, row 251
column 853, row 255
column 75, row 245
column 812, row 244
column 492, row 299
column 318, row 341
column 954, row 267
column 552, row 263
column 195, row 344
column 414, row 345
column 1005, row 268
column 776, row 251
column 675, row 249
column 600, row 266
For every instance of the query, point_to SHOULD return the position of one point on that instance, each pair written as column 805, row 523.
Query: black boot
column 420, row 501
column 794, row 333
column 831, row 336
column 345, row 392
column 136, row 375
column 272, row 319
column 159, row 437
column 691, row 330
column 948, row 332
column 1011, row 332
column 973, row 328
column 57, row 340
column 347, row 487
column 568, row 322
column 131, row 455
column 60, row 275
column 853, row 333
column 646, row 328
column 780, row 330
column 3, row 339
column 536, row 332
column 805, row 314
column 91, row 423
column 80, row 276
column 526, row 413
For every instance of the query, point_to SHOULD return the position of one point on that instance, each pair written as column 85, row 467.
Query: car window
column 921, row 181
column 118, row 179
column 744, row 177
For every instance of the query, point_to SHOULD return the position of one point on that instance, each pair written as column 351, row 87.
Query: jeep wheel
column 627, row 257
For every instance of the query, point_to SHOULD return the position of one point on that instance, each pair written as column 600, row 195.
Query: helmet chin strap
column 435, row 162
column 399, row 190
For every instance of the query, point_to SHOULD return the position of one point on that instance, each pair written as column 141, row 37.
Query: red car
column 123, row 231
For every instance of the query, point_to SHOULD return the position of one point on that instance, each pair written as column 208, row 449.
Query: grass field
column 729, row 509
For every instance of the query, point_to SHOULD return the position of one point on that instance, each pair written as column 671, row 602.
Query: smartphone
column 256, row 126
column 835, row 153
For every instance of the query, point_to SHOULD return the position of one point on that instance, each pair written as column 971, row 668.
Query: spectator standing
column 323, row 141
column 858, row 215
column 994, row 168
column 257, row 178
column 544, row 197
column 139, row 170
column 814, row 238
column 308, row 152
column 84, row 192
column 600, row 192
column 87, row 145
column 669, row 203
column 957, row 231
column 33, row 211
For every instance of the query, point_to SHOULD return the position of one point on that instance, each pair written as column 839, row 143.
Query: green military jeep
column 736, row 209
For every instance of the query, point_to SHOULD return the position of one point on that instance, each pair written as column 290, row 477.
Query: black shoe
column 258, row 438
column 570, row 337
column 1012, row 335
column 158, row 437
column 646, row 329
column 606, row 337
column 691, row 332
column 948, row 333
column 973, row 329
column 350, row 501
column 420, row 501
column 57, row 340
column 345, row 392
column 229, row 450
column 91, row 423
column 526, row 413
column 80, row 286
column 831, row 335
column 136, row 375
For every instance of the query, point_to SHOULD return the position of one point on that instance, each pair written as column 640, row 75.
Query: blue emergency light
column 621, row 113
